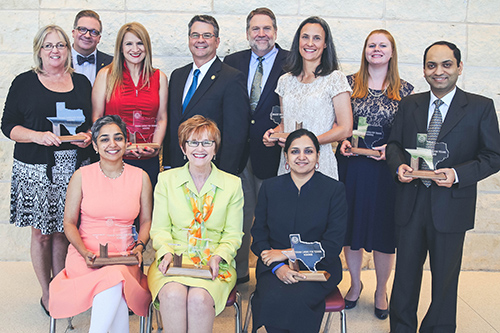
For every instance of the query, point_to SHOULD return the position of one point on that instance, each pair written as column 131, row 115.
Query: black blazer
column 470, row 131
column 221, row 96
column 102, row 60
column 265, row 161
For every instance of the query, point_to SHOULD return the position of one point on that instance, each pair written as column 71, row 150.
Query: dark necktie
column 191, row 90
column 432, row 135
column 81, row 60
column 256, row 85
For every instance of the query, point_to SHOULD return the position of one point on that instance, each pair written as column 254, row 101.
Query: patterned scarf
column 198, row 244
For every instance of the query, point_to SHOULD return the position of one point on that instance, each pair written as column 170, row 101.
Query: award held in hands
column 115, row 246
column 430, row 156
column 141, row 132
column 278, row 118
column 70, row 119
column 369, row 134
column 309, row 253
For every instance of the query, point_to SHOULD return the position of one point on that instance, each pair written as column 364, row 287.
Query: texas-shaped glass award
column 70, row 119
column 431, row 156
column 369, row 134
column 278, row 118
column 115, row 244
column 309, row 253
column 195, row 259
column 141, row 131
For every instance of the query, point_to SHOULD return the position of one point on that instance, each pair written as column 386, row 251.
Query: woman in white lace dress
column 314, row 93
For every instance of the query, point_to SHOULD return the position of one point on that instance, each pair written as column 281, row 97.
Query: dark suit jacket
column 265, row 161
column 102, row 60
column 221, row 96
column 470, row 131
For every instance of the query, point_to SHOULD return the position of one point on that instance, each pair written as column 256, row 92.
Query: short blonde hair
column 196, row 125
column 38, row 43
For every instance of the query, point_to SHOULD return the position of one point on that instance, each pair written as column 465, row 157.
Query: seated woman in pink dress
column 105, row 197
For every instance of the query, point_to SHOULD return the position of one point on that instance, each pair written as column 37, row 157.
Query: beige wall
column 474, row 25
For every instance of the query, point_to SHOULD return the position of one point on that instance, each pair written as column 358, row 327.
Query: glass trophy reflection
column 278, row 118
column 115, row 245
column 431, row 156
column 370, row 135
column 309, row 253
column 70, row 119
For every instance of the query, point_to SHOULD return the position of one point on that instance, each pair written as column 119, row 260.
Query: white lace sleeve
column 337, row 83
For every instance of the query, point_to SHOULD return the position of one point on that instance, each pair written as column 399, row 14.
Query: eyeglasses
column 93, row 32
column 205, row 35
column 204, row 143
column 50, row 46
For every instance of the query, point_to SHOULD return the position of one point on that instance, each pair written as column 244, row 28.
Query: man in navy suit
column 259, row 162
column 433, row 216
column 86, row 59
column 212, row 89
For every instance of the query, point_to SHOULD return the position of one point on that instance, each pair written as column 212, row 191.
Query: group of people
column 213, row 121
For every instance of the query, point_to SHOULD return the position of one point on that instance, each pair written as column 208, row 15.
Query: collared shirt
column 444, row 111
column 267, row 65
column 87, row 69
column 443, row 108
column 203, row 71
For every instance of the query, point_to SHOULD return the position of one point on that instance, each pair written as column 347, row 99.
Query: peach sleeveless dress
column 108, row 207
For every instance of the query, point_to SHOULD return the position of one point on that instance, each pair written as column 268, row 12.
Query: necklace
column 377, row 95
column 123, row 168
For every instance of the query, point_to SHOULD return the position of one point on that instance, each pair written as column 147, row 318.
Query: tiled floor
column 478, row 304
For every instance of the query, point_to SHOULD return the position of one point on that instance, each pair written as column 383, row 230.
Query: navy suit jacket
column 221, row 96
column 471, row 133
column 265, row 161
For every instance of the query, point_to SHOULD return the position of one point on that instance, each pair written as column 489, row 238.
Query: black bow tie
column 81, row 60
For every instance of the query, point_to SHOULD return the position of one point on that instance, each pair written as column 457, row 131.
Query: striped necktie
column 432, row 135
column 256, row 85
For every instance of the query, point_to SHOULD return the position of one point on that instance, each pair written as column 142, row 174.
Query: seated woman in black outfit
column 302, row 202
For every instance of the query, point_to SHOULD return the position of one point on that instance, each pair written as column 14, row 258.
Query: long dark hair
column 329, row 61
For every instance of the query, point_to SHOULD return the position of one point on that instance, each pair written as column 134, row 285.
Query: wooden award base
column 72, row 138
column 279, row 135
column 425, row 174
column 318, row 276
column 180, row 269
column 104, row 259
column 134, row 146
column 363, row 151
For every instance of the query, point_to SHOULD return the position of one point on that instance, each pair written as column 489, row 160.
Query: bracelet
column 276, row 267
column 139, row 242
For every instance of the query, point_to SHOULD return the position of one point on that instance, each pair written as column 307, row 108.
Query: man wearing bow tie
column 86, row 59
column 212, row 89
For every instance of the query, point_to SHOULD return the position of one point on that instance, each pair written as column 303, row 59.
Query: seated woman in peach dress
column 105, row 197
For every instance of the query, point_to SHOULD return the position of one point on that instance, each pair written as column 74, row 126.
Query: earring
column 287, row 166
column 97, row 153
column 213, row 158
column 185, row 157
column 316, row 167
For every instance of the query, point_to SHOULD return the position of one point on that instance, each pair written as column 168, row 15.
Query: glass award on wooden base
column 429, row 156
column 115, row 246
column 70, row 119
column 198, row 252
column 309, row 253
column 142, row 129
column 369, row 134
column 278, row 118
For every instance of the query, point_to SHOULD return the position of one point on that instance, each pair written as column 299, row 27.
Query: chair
column 70, row 326
column 234, row 300
column 334, row 302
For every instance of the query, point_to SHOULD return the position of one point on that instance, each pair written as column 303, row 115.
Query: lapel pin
column 213, row 77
